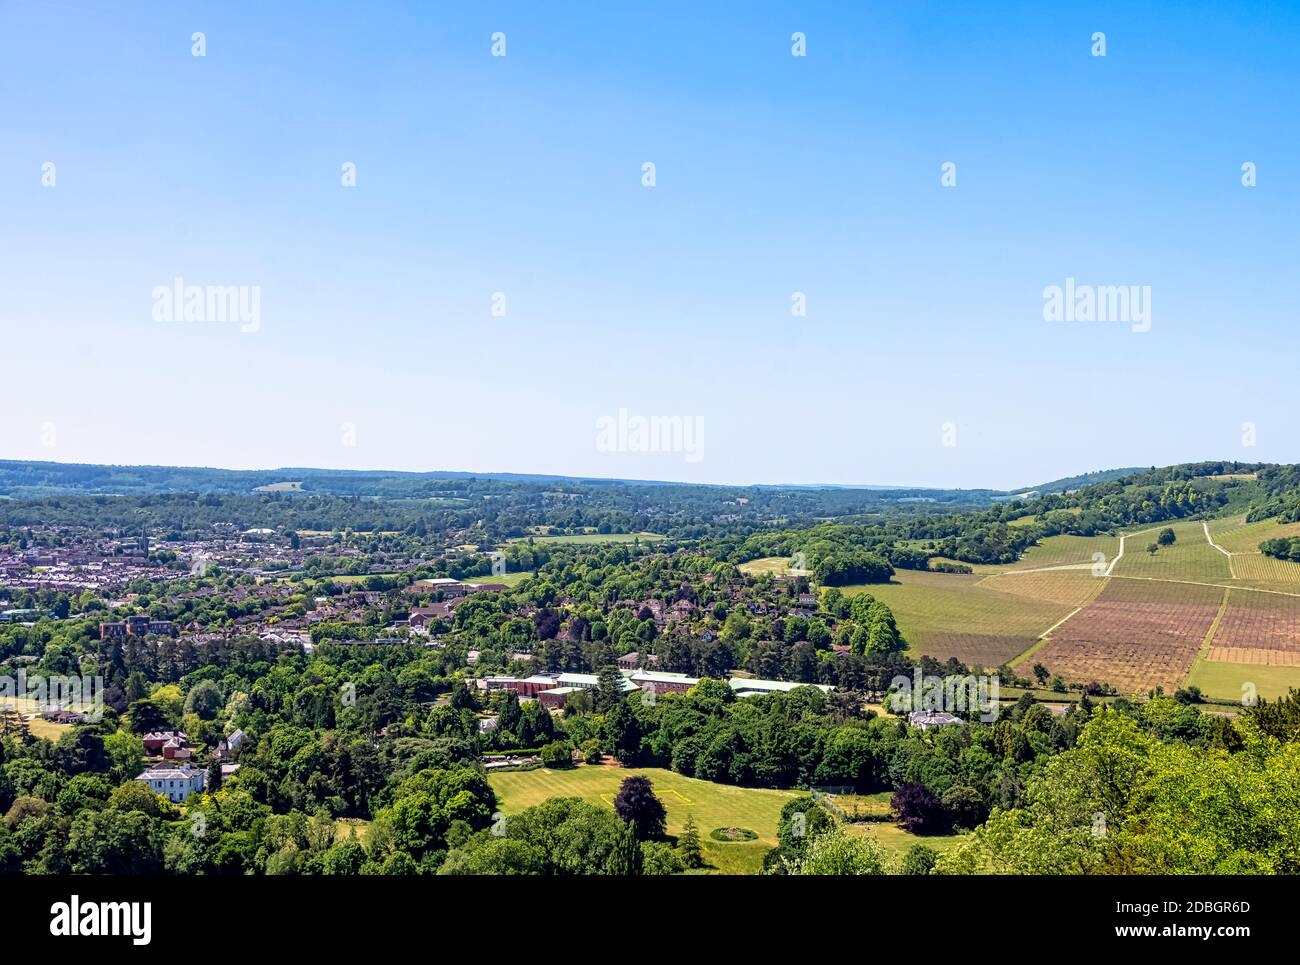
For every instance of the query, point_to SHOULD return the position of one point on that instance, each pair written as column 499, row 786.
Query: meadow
column 712, row 805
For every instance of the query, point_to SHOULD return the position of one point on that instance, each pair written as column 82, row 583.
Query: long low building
column 747, row 687
column 554, row 689
column 523, row 686
column 662, row 682
column 589, row 681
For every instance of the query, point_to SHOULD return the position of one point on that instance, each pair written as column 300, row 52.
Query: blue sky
column 376, row 346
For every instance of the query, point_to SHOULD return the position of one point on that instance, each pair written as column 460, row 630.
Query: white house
column 925, row 719
column 174, row 783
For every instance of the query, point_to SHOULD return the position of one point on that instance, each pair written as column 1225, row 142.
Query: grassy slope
column 945, row 615
column 713, row 805
column 1190, row 558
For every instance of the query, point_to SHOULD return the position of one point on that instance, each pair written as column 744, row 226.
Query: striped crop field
column 947, row 615
column 1136, row 635
column 1267, row 572
column 1236, row 536
column 1065, row 587
column 1190, row 558
column 1258, row 628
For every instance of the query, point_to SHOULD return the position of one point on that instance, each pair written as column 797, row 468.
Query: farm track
column 1157, row 579
column 1138, row 638
column 1238, row 629
column 1044, row 637
column 1210, row 539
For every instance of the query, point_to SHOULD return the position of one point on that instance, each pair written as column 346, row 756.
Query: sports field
column 513, row 578
column 713, row 805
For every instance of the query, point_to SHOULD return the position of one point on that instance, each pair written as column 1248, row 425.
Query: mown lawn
column 1223, row 681
column 713, row 805
column 776, row 565
column 513, row 578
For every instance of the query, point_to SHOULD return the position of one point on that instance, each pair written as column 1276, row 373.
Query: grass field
column 585, row 538
column 776, row 565
column 713, row 805
column 897, row 841
column 949, row 615
column 279, row 487
column 513, row 578
column 355, row 578
column 350, row 829
column 1226, row 681
column 37, row 727
column 47, row 729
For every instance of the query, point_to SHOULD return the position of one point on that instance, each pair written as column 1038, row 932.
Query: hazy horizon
column 770, row 484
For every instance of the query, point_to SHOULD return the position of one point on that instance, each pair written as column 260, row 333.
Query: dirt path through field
column 1210, row 539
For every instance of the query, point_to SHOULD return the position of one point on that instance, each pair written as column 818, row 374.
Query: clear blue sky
column 775, row 174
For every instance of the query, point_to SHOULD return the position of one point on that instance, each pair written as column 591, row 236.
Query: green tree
column 689, row 848
column 839, row 853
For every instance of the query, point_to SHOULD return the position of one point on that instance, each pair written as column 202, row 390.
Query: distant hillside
column 28, row 479
column 1086, row 479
